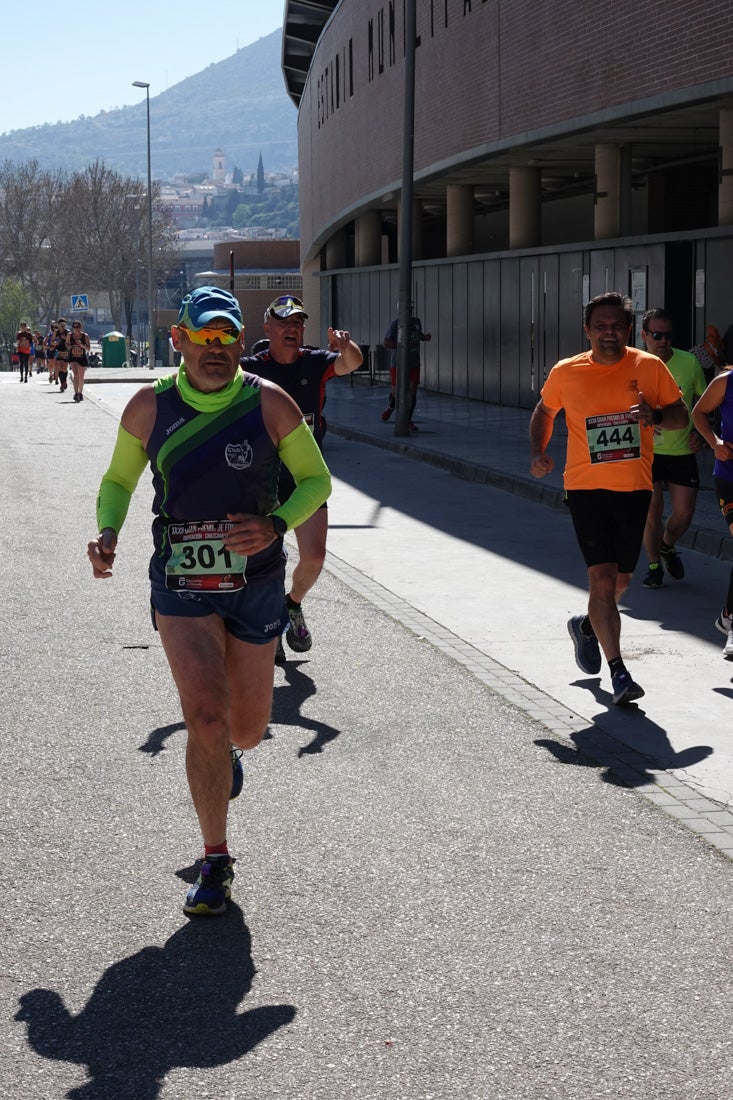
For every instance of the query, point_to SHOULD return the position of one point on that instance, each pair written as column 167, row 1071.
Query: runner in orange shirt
column 613, row 396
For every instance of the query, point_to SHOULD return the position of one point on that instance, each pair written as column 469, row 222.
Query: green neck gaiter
column 208, row 402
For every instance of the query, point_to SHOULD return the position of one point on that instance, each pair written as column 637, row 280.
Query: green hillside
column 238, row 104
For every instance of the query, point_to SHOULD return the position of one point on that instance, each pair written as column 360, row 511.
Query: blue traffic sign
column 79, row 303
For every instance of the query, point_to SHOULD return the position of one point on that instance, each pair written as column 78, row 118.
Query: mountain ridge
column 239, row 105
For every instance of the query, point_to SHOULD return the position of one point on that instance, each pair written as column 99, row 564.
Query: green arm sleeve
column 118, row 484
column 301, row 454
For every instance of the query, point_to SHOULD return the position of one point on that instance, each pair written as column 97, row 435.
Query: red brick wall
column 498, row 70
column 249, row 255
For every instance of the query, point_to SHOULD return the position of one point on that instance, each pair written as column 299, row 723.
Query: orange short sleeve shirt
column 606, row 448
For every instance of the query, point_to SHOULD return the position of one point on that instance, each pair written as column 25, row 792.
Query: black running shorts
column 609, row 526
column 676, row 470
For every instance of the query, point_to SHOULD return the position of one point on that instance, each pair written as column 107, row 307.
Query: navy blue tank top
column 208, row 464
column 725, row 469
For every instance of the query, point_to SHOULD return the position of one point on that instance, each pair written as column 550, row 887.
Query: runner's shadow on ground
column 625, row 765
column 161, row 1009
column 689, row 609
column 157, row 738
column 287, row 701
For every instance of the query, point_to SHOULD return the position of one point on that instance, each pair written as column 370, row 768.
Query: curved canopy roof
column 302, row 25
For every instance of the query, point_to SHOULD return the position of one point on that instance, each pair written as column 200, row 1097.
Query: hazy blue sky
column 64, row 60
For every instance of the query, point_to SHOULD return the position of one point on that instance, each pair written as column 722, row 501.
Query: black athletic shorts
column 676, row 470
column 609, row 526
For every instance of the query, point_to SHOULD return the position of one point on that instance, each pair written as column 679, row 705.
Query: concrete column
column 625, row 189
column 312, row 300
column 525, row 207
column 417, row 245
column 336, row 250
column 607, row 219
column 459, row 219
column 369, row 239
column 725, row 184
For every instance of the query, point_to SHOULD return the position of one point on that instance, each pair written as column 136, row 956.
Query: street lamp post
column 138, row 360
column 402, row 389
column 151, row 278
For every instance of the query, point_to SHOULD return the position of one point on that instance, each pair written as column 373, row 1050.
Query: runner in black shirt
column 303, row 373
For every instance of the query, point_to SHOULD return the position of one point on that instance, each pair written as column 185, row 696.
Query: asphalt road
column 437, row 896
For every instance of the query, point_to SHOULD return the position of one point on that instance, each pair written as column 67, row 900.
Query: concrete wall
column 500, row 322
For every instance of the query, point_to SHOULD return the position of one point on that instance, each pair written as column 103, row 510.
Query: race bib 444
column 613, row 437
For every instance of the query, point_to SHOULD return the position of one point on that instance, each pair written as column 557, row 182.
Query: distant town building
column 219, row 175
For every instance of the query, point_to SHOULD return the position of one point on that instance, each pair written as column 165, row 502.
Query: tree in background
column 29, row 245
column 109, row 216
column 16, row 305
column 72, row 234
column 260, row 176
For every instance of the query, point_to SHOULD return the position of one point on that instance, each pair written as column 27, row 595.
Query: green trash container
column 114, row 350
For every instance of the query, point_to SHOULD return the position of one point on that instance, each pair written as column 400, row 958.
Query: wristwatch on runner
column 280, row 525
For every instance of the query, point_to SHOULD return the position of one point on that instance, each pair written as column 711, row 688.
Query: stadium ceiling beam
column 303, row 23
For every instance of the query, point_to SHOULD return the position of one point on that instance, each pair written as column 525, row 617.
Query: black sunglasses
column 659, row 335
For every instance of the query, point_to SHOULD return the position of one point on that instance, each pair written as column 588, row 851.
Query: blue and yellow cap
column 207, row 304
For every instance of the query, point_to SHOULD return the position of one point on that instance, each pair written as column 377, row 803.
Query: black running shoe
column 209, row 894
column 624, row 689
column 654, row 577
column 673, row 563
column 587, row 652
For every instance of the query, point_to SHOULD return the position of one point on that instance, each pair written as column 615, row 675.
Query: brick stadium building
column 559, row 150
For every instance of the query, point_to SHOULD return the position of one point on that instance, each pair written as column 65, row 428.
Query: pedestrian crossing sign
column 79, row 303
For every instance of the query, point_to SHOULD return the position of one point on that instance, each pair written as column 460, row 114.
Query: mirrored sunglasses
column 204, row 336
column 285, row 305
column 659, row 335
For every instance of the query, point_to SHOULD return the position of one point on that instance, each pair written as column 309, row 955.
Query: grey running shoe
column 298, row 636
column 624, row 689
column 587, row 652
column 728, row 647
column 724, row 622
